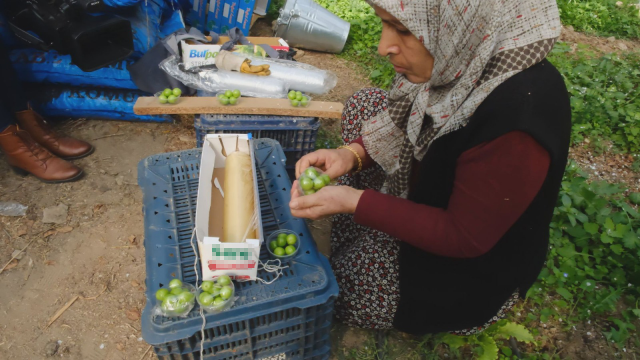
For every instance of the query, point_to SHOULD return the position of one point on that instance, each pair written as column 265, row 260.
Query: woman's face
column 407, row 54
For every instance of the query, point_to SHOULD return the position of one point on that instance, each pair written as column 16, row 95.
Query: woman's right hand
column 334, row 163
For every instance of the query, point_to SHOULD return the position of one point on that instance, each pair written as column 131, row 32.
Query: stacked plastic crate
column 288, row 319
column 296, row 135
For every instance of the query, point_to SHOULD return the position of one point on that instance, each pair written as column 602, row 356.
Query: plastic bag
column 299, row 76
column 312, row 180
column 101, row 103
column 295, row 75
column 214, row 81
column 176, row 301
column 37, row 66
column 145, row 21
column 216, row 295
column 12, row 208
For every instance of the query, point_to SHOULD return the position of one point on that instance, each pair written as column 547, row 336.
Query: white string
column 268, row 268
column 195, row 268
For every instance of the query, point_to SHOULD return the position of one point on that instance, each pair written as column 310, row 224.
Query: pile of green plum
column 297, row 99
column 177, row 300
column 312, row 180
column 283, row 243
column 216, row 295
column 169, row 96
column 229, row 97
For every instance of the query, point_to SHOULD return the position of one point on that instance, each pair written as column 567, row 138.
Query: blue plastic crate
column 292, row 316
column 296, row 135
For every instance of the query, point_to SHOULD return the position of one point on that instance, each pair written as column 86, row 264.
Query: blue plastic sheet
column 99, row 103
column 37, row 66
column 120, row 3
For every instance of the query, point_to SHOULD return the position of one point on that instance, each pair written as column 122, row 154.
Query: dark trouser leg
column 6, row 117
column 12, row 96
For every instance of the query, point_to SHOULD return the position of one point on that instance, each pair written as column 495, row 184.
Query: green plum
column 318, row 183
column 306, row 183
column 224, row 280
column 226, row 292
column 290, row 249
column 162, row 294
column 291, row 239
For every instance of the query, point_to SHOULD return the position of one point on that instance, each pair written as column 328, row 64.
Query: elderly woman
column 449, row 179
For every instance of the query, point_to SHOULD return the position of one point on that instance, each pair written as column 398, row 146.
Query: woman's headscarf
column 476, row 45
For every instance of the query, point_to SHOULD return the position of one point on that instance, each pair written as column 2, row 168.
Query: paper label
column 225, row 12
column 240, row 15
column 199, row 55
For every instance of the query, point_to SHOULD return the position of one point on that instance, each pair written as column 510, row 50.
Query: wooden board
column 247, row 106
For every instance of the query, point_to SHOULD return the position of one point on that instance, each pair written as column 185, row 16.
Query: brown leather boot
column 26, row 156
column 62, row 146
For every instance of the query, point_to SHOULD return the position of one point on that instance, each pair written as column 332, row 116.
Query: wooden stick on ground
column 13, row 257
column 61, row 311
column 68, row 305
column 145, row 353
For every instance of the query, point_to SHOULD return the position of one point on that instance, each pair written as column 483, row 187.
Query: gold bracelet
column 354, row 153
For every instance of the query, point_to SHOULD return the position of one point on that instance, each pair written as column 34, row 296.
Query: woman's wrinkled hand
column 327, row 201
column 334, row 163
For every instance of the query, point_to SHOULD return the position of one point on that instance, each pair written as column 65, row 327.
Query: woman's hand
column 329, row 200
column 334, row 163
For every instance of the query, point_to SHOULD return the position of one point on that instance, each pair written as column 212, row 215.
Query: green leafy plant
column 485, row 345
column 362, row 44
column 602, row 17
column 605, row 95
column 594, row 257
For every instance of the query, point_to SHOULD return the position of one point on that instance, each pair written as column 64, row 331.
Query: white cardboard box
column 238, row 260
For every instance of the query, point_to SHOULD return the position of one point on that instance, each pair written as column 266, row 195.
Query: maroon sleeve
column 367, row 161
column 494, row 184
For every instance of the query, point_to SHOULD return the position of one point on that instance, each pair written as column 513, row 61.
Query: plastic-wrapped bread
column 238, row 199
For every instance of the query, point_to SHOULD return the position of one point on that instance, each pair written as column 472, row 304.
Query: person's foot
column 63, row 146
column 26, row 156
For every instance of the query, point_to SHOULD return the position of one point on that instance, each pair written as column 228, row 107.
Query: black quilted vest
column 444, row 294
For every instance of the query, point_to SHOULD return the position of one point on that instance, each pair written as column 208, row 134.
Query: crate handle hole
column 155, row 213
column 284, row 189
column 154, row 184
column 308, row 252
column 159, row 264
column 170, row 237
column 155, row 197
column 160, row 284
column 278, row 175
column 168, row 221
column 301, row 234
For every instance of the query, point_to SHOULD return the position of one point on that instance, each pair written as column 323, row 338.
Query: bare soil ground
column 95, row 255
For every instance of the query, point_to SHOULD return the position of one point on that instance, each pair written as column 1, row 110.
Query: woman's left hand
column 329, row 200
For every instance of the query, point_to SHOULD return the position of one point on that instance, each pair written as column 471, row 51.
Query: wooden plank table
column 245, row 106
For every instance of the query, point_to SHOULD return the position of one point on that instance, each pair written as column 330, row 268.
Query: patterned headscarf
column 476, row 45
